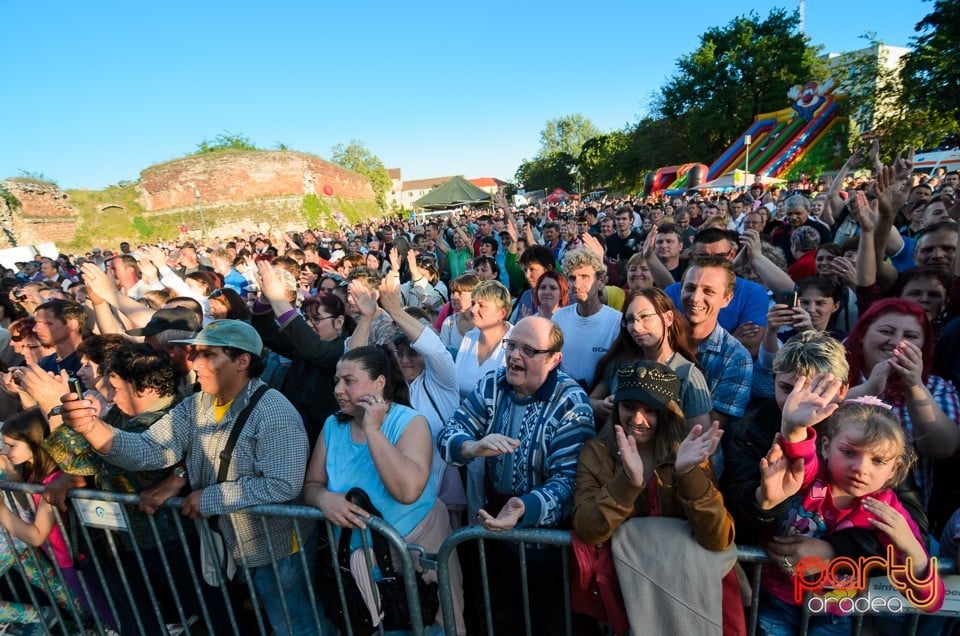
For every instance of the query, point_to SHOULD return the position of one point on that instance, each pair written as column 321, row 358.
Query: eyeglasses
column 318, row 318
column 406, row 353
column 525, row 350
column 644, row 318
column 216, row 293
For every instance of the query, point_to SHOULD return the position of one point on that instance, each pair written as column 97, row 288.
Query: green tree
column 356, row 157
column 879, row 106
column 737, row 71
column 225, row 141
column 566, row 134
column 931, row 73
column 549, row 172
column 603, row 160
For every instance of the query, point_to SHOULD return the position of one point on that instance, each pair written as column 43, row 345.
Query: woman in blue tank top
column 375, row 442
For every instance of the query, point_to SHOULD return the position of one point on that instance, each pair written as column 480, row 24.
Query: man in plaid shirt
column 267, row 465
column 707, row 288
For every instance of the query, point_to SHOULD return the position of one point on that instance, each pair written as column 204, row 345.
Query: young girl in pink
column 23, row 458
column 844, row 481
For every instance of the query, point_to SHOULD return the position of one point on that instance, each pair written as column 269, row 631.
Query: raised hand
column 750, row 242
column 365, row 299
column 875, row 155
column 844, row 270
column 155, row 255
column 810, row 402
column 907, row 362
column 903, row 166
column 415, row 273
column 271, row 285
column 779, row 477
column 44, row 387
column 748, row 333
column 593, row 244
column 394, row 259
column 802, row 320
column 649, row 244
column 99, row 284
column 630, row 457
column 148, row 272
column 697, row 447
column 780, row 316
column 868, row 212
column 390, row 298
column 890, row 196
column 603, row 408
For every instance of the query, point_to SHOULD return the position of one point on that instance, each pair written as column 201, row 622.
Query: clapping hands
column 697, row 447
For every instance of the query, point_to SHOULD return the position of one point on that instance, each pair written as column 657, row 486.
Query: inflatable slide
column 778, row 140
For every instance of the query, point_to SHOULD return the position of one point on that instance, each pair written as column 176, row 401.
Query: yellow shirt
column 615, row 297
column 220, row 410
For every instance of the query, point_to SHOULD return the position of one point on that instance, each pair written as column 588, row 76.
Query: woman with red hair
column 890, row 351
column 551, row 293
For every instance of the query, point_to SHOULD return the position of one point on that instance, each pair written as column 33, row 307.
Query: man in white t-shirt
column 589, row 326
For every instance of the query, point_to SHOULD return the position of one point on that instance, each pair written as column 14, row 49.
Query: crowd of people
column 663, row 376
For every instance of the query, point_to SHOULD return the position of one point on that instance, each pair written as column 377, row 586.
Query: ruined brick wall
column 238, row 191
column 45, row 214
column 233, row 177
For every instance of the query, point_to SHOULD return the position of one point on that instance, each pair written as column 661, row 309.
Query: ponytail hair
column 379, row 360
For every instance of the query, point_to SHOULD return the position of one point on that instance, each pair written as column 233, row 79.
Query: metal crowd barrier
column 118, row 568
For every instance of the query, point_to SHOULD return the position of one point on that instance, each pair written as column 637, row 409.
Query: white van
column 927, row 161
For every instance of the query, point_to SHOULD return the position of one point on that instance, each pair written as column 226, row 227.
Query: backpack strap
column 226, row 455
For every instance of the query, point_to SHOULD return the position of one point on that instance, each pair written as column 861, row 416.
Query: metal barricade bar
column 524, row 543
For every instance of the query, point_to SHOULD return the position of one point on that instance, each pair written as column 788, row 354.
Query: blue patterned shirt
column 552, row 425
column 728, row 368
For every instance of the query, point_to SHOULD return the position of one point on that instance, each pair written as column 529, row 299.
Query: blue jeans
column 293, row 591
column 780, row 619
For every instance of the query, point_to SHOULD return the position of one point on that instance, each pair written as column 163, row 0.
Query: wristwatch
column 57, row 410
column 180, row 472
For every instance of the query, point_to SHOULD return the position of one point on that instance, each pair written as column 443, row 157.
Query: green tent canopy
column 455, row 192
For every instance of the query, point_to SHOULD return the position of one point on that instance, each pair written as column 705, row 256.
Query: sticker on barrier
column 101, row 514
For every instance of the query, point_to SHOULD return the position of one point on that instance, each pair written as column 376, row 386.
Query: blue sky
column 94, row 92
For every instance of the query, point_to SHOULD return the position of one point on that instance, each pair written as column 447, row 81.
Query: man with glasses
column 527, row 421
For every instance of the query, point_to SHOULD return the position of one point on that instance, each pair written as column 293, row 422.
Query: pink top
column 55, row 538
column 812, row 513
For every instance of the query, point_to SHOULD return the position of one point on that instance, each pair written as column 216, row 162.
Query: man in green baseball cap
column 267, row 463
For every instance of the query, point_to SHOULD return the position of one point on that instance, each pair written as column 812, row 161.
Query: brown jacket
column 604, row 498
